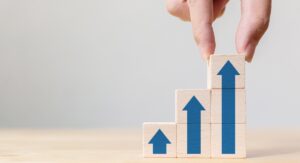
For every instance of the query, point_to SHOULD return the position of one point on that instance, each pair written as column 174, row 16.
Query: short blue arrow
column 159, row 142
column 193, row 108
column 228, row 73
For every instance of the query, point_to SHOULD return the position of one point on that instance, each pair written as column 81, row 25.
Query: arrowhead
column 228, row 69
column 193, row 104
column 159, row 138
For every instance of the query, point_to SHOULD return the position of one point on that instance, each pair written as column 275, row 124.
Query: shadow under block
column 228, row 144
column 239, row 104
column 193, row 102
column 193, row 142
column 159, row 139
column 218, row 69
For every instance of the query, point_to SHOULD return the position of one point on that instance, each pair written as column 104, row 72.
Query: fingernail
column 249, row 59
column 250, row 49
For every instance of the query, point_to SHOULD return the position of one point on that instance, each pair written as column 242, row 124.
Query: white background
column 116, row 63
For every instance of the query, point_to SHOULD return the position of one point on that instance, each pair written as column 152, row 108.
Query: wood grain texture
column 240, row 106
column 183, row 96
column 124, row 146
column 150, row 129
column 182, row 141
column 215, row 64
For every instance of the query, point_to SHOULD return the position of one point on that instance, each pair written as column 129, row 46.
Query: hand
column 253, row 24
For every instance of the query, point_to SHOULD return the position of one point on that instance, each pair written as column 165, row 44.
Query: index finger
column 201, row 13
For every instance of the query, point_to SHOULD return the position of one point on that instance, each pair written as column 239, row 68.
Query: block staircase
column 209, row 123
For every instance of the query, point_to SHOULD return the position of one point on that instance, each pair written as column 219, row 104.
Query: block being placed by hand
column 193, row 140
column 234, row 106
column 159, row 139
column 228, row 140
column 226, row 71
column 192, row 105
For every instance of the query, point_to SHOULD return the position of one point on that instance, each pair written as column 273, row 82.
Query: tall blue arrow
column 159, row 141
column 228, row 73
column 193, row 108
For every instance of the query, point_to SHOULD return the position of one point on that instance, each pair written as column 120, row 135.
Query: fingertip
column 249, row 58
column 207, row 51
column 248, row 52
column 205, row 56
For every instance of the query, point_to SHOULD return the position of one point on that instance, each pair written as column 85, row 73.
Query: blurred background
column 114, row 64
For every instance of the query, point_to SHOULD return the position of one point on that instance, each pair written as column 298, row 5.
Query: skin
column 254, row 21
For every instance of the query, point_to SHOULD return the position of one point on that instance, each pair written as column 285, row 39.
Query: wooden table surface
column 121, row 145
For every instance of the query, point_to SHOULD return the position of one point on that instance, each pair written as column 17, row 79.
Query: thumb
column 253, row 24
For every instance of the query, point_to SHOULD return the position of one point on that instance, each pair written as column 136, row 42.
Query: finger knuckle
column 197, row 36
column 174, row 6
column 201, row 30
column 262, row 23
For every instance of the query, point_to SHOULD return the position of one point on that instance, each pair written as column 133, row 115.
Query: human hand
column 255, row 16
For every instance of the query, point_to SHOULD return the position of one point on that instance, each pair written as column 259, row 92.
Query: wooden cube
column 192, row 102
column 193, row 140
column 238, row 106
column 228, row 140
column 229, row 68
column 159, row 139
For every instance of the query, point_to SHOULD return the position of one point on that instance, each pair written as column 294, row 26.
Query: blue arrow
column 159, row 141
column 228, row 73
column 193, row 108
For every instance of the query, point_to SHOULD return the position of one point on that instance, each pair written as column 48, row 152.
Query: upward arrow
column 228, row 73
column 193, row 108
column 159, row 141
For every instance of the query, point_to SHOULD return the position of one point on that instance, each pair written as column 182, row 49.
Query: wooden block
column 193, row 147
column 239, row 104
column 192, row 101
column 220, row 62
column 159, row 139
column 237, row 149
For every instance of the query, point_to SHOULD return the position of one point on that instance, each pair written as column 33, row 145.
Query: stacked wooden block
column 226, row 79
column 210, row 123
